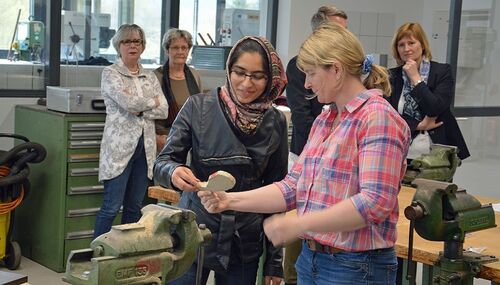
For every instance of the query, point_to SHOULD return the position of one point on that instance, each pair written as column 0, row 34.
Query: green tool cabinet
column 58, row 213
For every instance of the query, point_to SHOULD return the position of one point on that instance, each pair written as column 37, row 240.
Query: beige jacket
column 130, row 113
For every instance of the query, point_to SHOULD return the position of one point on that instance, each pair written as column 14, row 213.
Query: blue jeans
column 127, row 189
column 240, row 274
column 368, row 267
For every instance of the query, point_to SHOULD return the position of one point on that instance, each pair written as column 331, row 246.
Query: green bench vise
column 441, row 211
column 440, row 164
column 160, row 247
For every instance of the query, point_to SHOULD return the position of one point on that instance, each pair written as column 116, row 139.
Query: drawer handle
column 85, row 135
column 86, row 126
column 84, row 171
column 97, row 189
column 83, row 212
column 80, row 235
column 84, row 144
column 83, row 157
column 76, row 213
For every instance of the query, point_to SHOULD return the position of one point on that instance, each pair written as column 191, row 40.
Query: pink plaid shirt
column 361, row 159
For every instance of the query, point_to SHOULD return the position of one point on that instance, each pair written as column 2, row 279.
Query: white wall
column 294, row 17
column 7, row 118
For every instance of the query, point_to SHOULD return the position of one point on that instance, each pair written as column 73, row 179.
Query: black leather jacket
column 254, row 160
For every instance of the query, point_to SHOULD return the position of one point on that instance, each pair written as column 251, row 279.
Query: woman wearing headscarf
column 178, row 80
column 236, row 129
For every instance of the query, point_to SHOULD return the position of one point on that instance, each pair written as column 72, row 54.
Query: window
column 87, row 30
column 86, row 33
column 213, row 24
column 22, row 47
column 477, row 95
column 217, row 25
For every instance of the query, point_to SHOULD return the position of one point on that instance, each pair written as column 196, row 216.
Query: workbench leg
column 260, row 271
column 428, row 273
column 403, row 271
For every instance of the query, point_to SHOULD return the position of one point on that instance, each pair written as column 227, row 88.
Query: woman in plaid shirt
column 346, row 181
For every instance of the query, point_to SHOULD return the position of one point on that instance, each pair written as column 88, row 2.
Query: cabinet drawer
column 83, row 227
column 83, row 155
column 86, row 189
column 79, row 233
column 78, row 169
column 82, row 205
column 84, row 185
column 74, row 244
column 82, row 144
column 87, row 135
column 80, row 227
column 89, row 126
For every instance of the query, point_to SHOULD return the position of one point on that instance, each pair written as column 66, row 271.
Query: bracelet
column 417, row 83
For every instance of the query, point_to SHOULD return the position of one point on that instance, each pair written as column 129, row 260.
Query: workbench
column 427, row 252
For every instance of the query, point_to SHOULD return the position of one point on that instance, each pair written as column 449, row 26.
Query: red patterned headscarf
column 247, row 117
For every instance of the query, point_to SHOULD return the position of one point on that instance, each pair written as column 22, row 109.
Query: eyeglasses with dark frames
column 258, row 76
column 136, row 42
column 179, row 48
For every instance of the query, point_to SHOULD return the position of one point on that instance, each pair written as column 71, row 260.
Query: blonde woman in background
column 422, row 92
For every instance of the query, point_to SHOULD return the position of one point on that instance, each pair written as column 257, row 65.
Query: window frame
column 452, row 59
column 49, row 12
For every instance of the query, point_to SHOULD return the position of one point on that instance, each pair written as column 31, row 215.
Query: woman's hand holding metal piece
column 184, row 179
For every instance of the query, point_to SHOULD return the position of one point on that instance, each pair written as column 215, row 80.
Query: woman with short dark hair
column 178, row 80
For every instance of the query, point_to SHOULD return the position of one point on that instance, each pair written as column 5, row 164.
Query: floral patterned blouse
column 130, row 113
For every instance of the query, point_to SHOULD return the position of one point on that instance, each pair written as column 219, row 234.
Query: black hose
column 16, row 178
column 19, row 137
column 29, row 147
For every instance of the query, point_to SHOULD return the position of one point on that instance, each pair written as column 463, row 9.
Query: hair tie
column 367, row 64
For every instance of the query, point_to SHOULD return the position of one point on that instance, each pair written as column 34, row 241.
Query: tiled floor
column 37, row 274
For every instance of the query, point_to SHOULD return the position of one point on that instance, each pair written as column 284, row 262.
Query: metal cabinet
column 58, row 213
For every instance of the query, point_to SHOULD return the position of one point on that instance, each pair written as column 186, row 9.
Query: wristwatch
column 417, row 83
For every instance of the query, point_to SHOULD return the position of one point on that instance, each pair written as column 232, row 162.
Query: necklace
column 133, row 72
column 179, row 76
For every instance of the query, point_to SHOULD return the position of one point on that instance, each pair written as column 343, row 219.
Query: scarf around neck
column 410, row 107
column 247, row 117
column 173, row 107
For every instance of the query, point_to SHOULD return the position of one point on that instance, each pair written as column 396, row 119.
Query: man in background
column 304, row 108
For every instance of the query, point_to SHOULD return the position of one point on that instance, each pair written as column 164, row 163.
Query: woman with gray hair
column 133, row 101
column 178, row 81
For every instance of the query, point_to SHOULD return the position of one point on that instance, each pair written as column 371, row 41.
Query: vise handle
column 164, row 194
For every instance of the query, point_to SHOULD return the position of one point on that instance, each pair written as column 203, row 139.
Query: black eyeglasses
column 136, row 42
column 179, row 48
column 258, row 76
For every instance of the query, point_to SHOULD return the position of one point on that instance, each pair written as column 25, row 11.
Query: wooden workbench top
column 427, row 252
